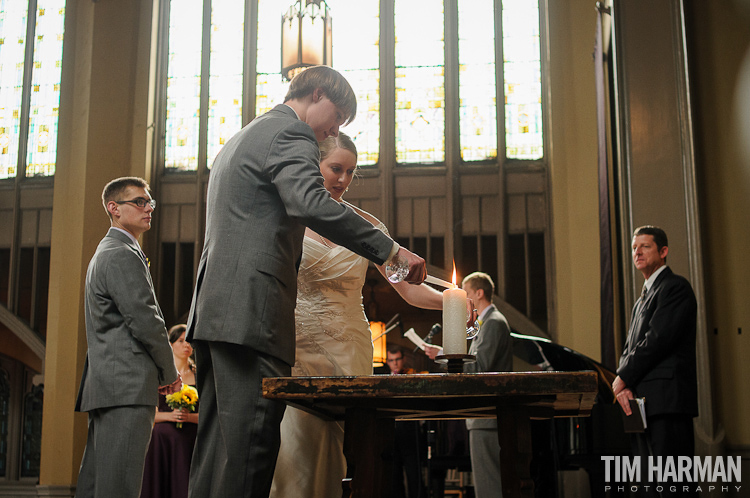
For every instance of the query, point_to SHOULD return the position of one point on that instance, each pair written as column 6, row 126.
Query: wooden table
column 370, row 404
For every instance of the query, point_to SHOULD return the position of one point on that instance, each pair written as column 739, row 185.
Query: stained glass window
column 356, row 53
column 12, row 47
column 420, row 82
column 45, row 88
column 225, row 81
column 523, row 83
column 476, row 77
column 4, row 421
column 183, row 84
column 43, row 92
column 270, row 89
column 419, row 85
column 31, row 442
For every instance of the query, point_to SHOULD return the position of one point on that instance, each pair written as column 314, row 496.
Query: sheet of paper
column 418, row 341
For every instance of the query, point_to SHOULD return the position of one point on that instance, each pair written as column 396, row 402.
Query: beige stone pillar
column 103, row 118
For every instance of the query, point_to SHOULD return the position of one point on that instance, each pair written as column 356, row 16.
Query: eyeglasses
column 140, row 202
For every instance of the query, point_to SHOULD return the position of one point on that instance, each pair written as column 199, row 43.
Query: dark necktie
column 643, row 292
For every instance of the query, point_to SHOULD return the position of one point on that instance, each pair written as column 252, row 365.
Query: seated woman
column 333, row 338
column 167, row 467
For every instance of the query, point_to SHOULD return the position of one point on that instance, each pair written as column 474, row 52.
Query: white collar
column 292, row 108
column 130, row 236
column 650, row 282
column 484, row 312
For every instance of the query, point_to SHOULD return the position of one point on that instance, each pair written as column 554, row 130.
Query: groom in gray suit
column 129, row 359
column 265, row 187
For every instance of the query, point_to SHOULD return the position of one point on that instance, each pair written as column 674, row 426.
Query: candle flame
column 455, row 286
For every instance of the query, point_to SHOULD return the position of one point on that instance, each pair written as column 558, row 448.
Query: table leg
column 368, row 448
column 514, row 435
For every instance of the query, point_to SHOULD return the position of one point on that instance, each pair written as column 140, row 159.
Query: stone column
column 102, row 135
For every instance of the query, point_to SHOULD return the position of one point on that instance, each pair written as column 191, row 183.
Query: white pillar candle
column 454, row 321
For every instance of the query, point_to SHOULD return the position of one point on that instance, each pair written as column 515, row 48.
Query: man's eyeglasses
column 140, row 202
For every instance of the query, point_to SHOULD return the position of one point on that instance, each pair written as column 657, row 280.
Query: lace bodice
column 333, row 337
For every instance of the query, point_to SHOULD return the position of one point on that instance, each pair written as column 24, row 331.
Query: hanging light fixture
column 305, row 37
column 378, row 343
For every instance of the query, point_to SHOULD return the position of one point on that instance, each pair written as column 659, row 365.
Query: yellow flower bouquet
column 186, row 398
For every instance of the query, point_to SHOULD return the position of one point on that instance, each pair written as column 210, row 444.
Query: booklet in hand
column 636, row 421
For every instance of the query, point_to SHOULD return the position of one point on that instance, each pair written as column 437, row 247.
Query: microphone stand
column 388, row 329
column 428, row 338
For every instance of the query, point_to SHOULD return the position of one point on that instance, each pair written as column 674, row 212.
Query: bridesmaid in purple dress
column 167, row 465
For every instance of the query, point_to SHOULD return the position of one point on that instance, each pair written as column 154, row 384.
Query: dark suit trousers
column 666, row 435
column 116, row 447
column 238, row 429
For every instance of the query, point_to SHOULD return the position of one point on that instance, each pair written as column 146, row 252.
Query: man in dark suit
column 265, row 187
column 493, row 349
column 658, row 362
column 129, row 356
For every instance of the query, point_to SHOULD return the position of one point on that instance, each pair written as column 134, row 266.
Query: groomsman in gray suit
column 129, row 360
column 493, row 349
column 265, row 187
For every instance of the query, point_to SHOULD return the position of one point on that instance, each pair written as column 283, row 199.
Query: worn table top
column 440, row 396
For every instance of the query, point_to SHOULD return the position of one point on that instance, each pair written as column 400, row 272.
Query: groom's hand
column 417, row 267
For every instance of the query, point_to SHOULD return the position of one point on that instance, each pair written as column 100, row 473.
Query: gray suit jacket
column 128, row 355
column 265, row 187
column 493, row 348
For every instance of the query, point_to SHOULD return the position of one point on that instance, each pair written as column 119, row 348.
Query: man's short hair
column 395, row 349
column 333, row 84
column 480, row 280
column 659, row 235
column 114, row 189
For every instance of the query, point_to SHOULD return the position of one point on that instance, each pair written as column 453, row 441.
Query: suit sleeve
column 129, row 284
column 294, row 168
column 495, row 348
column 667, row 327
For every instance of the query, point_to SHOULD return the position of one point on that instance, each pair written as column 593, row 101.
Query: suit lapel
column 636, row 323
column 116, row 234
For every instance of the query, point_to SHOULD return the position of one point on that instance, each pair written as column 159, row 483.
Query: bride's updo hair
column 330, row 144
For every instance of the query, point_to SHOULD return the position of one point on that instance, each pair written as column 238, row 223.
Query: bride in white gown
column 333, row 338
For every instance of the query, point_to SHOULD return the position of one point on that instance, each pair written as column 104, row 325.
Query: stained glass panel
column 523, row 82
column 225, row 81
column 476, row 77
column 31, row 442
column 183, row 85
column 13, row 22
column 269, row 87
column 356, row 54
column 420, row 88
column 45, row 88
column 4, row 421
